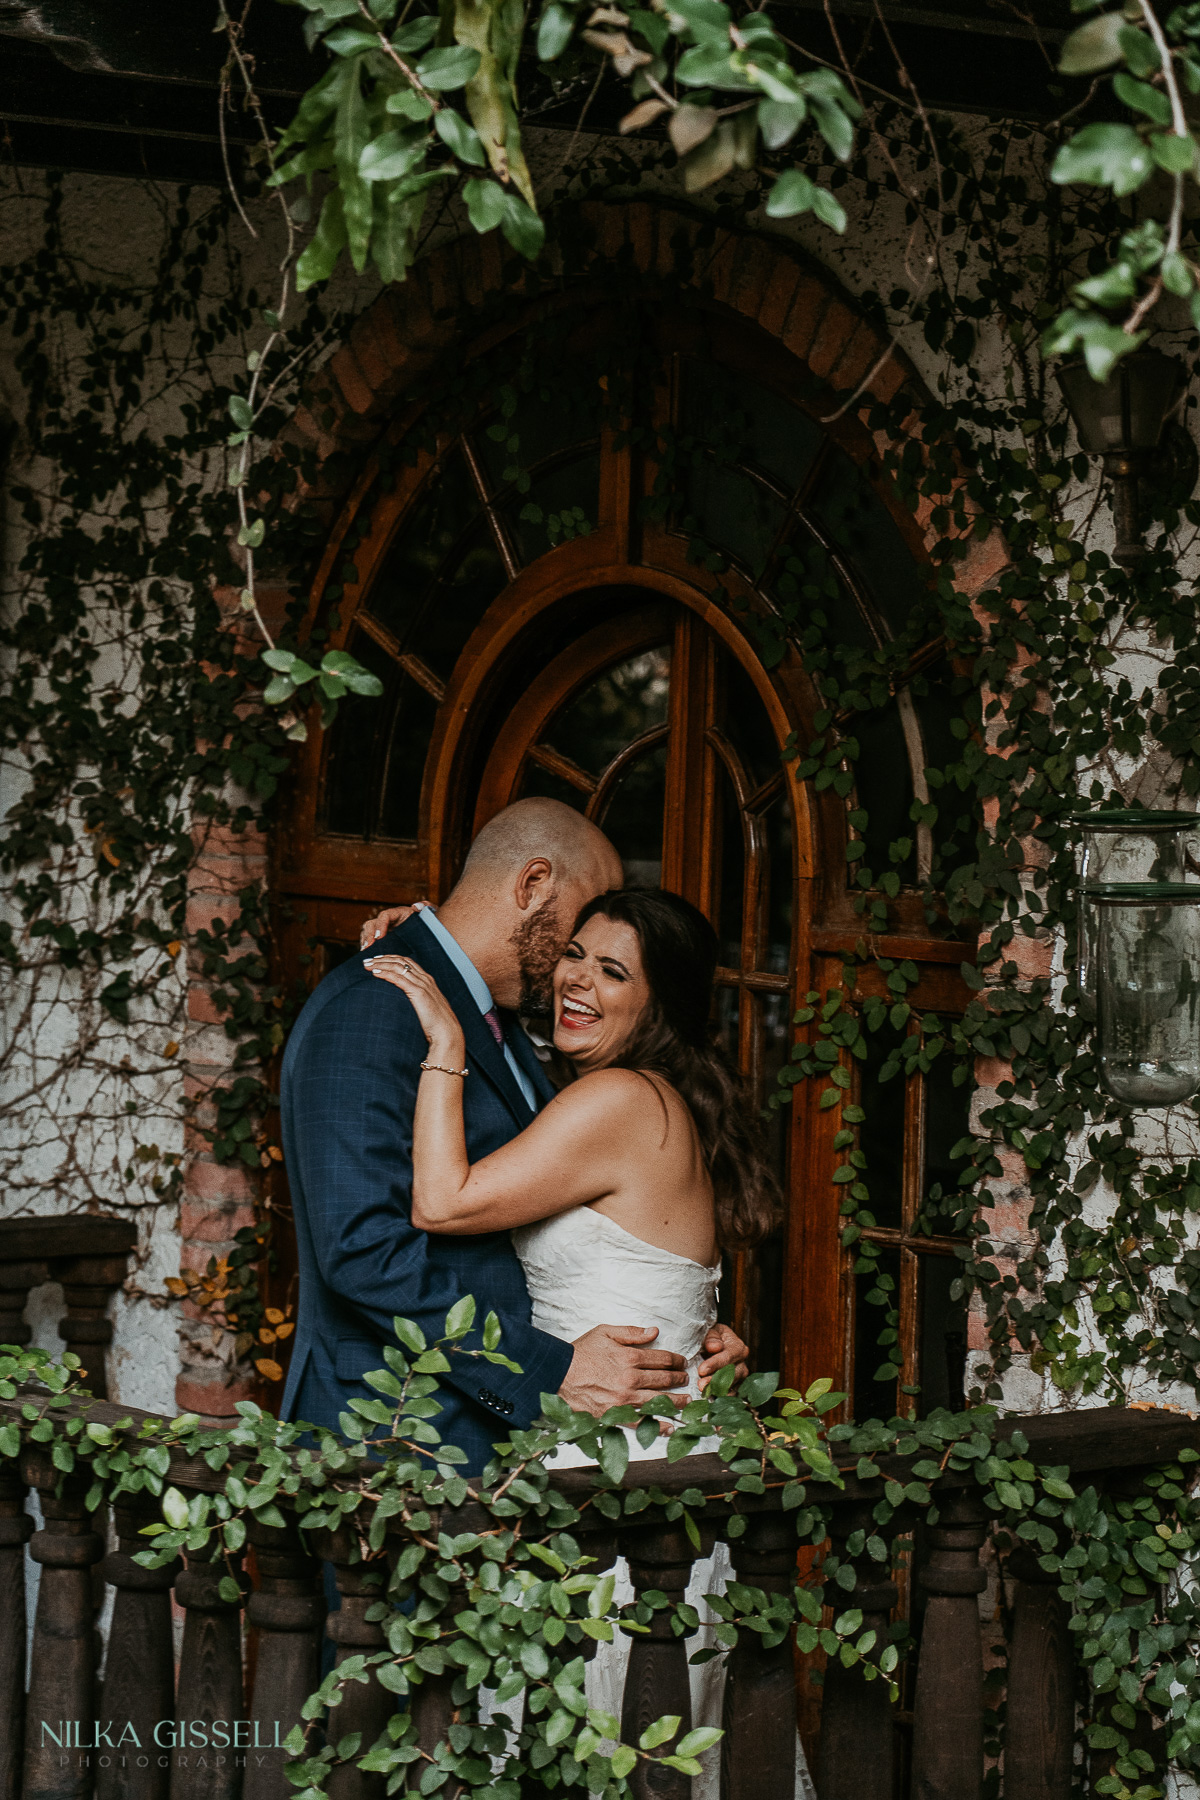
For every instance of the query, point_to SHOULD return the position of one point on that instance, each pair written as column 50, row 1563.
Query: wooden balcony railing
column 89, row 1254
column 253, row 1664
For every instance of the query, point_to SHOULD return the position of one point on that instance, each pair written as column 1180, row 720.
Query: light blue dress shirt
column 480, row 993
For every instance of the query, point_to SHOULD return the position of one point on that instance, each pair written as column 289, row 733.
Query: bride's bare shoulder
column 603, row 1095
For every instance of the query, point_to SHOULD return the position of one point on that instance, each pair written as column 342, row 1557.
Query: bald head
column 571, row 844
column 527, row 875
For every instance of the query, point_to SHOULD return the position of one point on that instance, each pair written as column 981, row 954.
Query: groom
column 348, row 1092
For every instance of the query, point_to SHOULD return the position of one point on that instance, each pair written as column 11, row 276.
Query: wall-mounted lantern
column 1148, row 990
column 1122, row 420
column 1127, row 844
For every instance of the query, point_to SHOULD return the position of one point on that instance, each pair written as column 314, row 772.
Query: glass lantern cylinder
column 1148, row 990
column 1127, row 845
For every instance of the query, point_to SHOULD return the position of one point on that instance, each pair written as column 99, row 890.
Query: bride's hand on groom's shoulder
column 723, row 1346
column 382, row 922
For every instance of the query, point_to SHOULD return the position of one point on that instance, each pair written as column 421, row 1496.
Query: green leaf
column 251, row 536
column 696, row 1742
column 1111, row 156
column 175, row 1509
column 756, row 1390
column 320, row 255
column 624, row 1760
column 278, row 691
column 555, row 29
column 415, row 35
column 410, row 1335
column 392, row 155
column 661, row 1732
column 794, row 193
column 491, row 1331
column 458, row 136
column 780, row 120
column 443, row 70
column 241, row 412
column 461, row 1317
column 1140, row 97
column 1093, row 46
column 1174, row 153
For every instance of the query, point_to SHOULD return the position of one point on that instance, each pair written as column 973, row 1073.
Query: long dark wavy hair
column 673, row 1039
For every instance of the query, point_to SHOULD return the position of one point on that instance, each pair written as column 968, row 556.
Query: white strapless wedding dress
column 583, row 1270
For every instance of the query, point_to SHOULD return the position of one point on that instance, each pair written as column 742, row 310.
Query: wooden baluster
column 856, row 1759
column 656, row 1681
column 1039, row 1735
column 15, row 1528
column 17, row 1279
column 758, row 1751
column 210, row 1685
column 88, row 1282
column 367, row 1707
column 139, row 1669
column 62, row 1689
column 288, row 1611
column 948, row 1709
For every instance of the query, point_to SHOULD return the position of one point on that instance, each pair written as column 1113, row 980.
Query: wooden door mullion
column 688, row 810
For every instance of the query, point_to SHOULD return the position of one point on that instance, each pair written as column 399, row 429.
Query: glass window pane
column 459, row 602
column 357, row 739
column 543, row 784
column 749, row 422
column 445, row 511
column 773, row 1018
column 731, row 511
column 881, row 1135
column 546, row 422
column 625, row 703
column 775, row 947
column 876, row 1318
column 947, row 1120
column 748, row 726
column 857, row 523
column 413, row 728
column 936, row 695
column 883, row 779
column 728, row 1006
column 558, row 506
column 729, row 872
column 633, row 818
column 807, row 580
column 767, row 1334
column 943, row 1336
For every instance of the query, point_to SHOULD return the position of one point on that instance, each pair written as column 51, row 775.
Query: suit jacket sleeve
column 353, row 1092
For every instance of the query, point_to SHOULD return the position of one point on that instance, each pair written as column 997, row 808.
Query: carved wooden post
column 366, row 1707
column 62, row 1699
column 656, row 1681
column 856, row 1758
column 948, row 1709
column 758, row 1751
column 15, row 1527
column 1039, row 1737
column 86, row 1329
column 210, row 1686
column 17, row 1279
column 139, row 1670
column 288, row 1611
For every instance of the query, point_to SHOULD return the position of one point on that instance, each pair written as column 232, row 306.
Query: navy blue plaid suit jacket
column 349, row 1088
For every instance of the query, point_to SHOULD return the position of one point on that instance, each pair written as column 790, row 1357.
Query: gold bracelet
column 443, row 1070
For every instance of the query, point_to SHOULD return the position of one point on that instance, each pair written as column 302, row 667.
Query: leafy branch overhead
column 412, row 102
column 1151, row 153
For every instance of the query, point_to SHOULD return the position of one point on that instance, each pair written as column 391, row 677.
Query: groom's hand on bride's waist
column 722, row 1346
column 614, row 1365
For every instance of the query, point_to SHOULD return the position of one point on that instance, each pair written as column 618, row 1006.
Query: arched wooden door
column 558, row 603
column 654, row 725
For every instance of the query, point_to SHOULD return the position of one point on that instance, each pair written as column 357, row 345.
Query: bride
column 625, row 1189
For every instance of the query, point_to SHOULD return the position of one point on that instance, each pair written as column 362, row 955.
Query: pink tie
column 492, row 1018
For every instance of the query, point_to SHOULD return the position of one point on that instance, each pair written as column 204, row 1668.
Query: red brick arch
column 446, row 299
